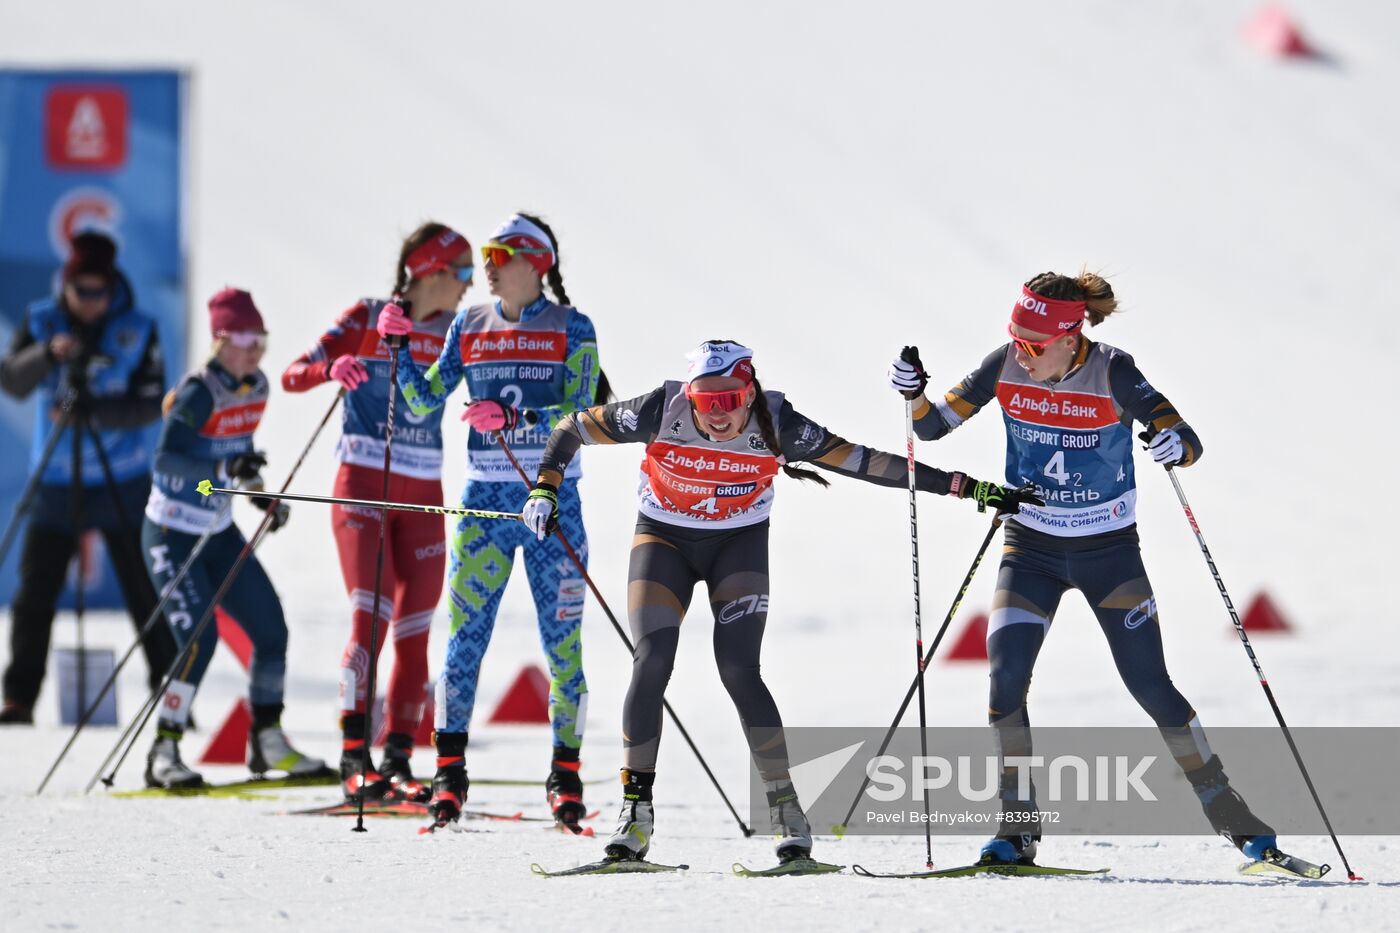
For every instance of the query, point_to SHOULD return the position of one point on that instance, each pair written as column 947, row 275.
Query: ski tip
column 738, row 868
column 538, row 869
column 205, row 487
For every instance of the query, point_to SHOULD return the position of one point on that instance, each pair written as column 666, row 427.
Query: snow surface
column 827, row 184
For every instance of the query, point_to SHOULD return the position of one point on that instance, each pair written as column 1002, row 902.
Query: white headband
column 718, row 359
column 520, row 226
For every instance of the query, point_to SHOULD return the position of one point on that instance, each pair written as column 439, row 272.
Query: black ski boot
column 564, row 789
column 355, row 781
column 398, row 749
column 450, row 783
column 1229, row 815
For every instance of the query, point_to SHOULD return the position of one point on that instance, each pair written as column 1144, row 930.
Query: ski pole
column 1258, row 670
column 578, row 562
column 144, row 714
column 359, row 827
column 918, row 614
column 840, row 828
column 207, row 488
column 140, row 637
column 26, row 496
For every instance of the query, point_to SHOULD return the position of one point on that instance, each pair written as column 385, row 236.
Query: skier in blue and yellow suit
column 527, row 363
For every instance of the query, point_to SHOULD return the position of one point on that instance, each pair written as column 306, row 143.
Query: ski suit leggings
column 667, row 561
column 415, row 556
column 250, row 601
column 1036, row 570
column 483, row 553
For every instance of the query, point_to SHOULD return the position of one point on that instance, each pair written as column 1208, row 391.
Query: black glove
column 1006, row 500
column 906, row 375
column 245, row 466
column 278, row 509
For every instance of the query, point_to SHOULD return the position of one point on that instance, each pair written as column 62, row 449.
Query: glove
column 1165, row 447
column 348, row 371
column 277, row 508
column 907, row 376
column 1006, row 500
column 490, row 415
column 245, row 466
column 541, row 512
column 392, row 323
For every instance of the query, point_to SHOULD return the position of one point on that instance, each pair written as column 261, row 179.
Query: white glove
column 1166, row 448
column 538, row 514
column 906, row 373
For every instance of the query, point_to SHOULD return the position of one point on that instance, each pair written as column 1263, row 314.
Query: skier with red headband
column 714, row 445
column 1069, row 405
column 527, row 362
column 434, row 271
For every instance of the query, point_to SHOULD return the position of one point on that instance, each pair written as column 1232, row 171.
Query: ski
column 622, row 866
column 372, row 808
column 522, row 782
column 797, row 866
column 1284, row 867
column 519, row 817
column 966, row 871
column 235, row 788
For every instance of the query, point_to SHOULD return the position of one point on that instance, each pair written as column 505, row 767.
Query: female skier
column 209, row 423
column 714, row 445
column 527, row 362
column 433, row 272
column 1069, row 405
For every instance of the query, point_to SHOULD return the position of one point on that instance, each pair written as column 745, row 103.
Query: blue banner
column 81, row 150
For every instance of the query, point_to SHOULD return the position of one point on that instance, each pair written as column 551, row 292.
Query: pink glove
column 490, row 415
column 393, row 322
column 349, row 372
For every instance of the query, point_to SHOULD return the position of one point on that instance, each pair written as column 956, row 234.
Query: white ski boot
column 637, row 821
column 791, row 830
column 269, row 750
column 165, row 769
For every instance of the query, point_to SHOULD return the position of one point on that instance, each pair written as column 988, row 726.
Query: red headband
column 437, row 254
column 1046, row 315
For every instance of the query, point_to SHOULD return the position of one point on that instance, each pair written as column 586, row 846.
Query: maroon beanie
column 232, row 310
column 92, row 254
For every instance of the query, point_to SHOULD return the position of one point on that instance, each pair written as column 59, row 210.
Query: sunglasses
column 729, row 400
column 1033, row 348
column 498, row 254
column 246, row 339
column 91, row 293
column 462, row 273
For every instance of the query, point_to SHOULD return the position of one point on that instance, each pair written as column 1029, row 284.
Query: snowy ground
column 827, row 184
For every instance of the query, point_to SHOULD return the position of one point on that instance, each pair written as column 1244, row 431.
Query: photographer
column 96, row 363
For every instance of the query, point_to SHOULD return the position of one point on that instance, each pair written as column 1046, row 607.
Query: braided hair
column 1088, row 287
column 555, row 278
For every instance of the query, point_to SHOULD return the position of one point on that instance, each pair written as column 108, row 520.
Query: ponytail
column 555, row 278
column 1088, row 287
column 770, row 437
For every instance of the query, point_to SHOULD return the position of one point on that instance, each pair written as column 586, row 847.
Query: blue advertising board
column 87, row 150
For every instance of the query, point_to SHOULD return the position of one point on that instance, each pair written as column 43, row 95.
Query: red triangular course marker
column 527, row 699
column 1274, row 31
column 1262, row 616
column 229, row 746
column 972, row 641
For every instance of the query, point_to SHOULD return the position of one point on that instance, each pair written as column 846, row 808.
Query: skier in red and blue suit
column 528, row 362
column 434, row 271
column 1069, row 405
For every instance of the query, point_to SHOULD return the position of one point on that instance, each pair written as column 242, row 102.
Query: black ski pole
column 918, row 613
column 578, row 562
column 393, row 344
column 133, row 729
column 26, row 496
column 75, row 506
column 207, row 488
column 1258, row 670
column 840, row 828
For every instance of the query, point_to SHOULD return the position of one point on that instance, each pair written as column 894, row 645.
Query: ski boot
column 16, row 714
column 790, row 827
column 450, row 783
column 355, row 781
column 398, row 748
column 564, row 789
column 164, row 767
column 637, row 821
column 1229, row 815
column 1018, row 832
column 269, row 750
